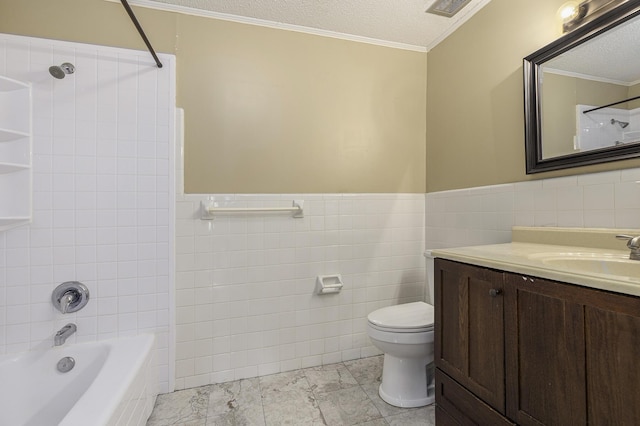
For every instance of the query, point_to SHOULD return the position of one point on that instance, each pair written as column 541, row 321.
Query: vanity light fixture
column 573, row 14
column 447, row 8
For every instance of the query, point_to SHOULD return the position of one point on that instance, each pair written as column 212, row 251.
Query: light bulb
column 567, row 14
column 568, row 11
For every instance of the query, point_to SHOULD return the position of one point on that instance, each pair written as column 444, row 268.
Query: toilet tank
column 428, row 296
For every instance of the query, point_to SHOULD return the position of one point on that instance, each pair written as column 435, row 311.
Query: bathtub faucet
column 70, row 296
column 63, row 334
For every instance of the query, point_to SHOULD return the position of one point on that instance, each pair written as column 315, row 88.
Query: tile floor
column 341, row 394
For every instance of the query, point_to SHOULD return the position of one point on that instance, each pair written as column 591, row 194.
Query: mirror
column 582, row 94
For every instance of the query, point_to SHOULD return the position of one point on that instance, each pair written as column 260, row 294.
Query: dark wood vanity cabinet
column 574, row 354
column 470, row 330
column 544, row 331
column 515, row 349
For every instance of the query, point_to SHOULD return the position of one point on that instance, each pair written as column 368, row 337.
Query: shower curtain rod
column 141, row 31
column 608, row 105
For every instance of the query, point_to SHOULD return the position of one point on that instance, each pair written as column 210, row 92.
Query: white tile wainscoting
column 485, row 215
column 103, row 197
column 245, row 281
column 245, row 302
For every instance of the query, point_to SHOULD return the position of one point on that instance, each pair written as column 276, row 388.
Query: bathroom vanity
column 524, row 340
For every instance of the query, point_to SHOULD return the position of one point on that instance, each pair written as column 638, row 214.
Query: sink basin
column 592, row 263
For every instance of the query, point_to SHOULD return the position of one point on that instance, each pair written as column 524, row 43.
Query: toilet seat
column 401, row 330
column 415, row 317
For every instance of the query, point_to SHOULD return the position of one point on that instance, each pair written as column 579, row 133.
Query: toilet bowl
column 405, row 334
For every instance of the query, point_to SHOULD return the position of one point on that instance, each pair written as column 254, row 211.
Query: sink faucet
column 64, row 333
column 634, row 245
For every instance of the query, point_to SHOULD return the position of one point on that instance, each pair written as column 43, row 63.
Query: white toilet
column 405, row 334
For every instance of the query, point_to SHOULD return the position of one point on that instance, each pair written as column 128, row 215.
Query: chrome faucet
column 66, row 301
column 64, row 333
column 70, row 296
column 633, row 243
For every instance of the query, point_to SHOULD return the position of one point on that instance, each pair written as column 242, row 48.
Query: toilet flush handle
column 494, row 292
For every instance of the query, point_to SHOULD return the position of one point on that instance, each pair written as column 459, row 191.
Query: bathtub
column 114, row 382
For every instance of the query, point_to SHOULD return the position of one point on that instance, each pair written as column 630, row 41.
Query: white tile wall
column 245, row 282
column 485, row 215
column 103, row 196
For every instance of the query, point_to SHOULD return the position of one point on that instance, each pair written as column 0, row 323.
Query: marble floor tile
column 284, row 387
column 187, row 407
column 425, row 416
column 376, row 422
column 342, row 394
column 329, row 378
column 366, row 370
column 294, row 412
column 347, row 407
column 236, row 403
column 385, row 409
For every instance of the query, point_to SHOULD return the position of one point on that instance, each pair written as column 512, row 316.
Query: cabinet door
column 469, row 329
column 462, row 407
column 612, row 333
column 545, row 353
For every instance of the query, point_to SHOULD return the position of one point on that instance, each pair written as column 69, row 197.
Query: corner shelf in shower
column 15, row 153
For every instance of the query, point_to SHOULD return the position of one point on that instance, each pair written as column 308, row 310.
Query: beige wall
column 634, row 91
column 267, row 111
column 87, row 21
column 558, row 115
column 475, row 117
column 291, row 112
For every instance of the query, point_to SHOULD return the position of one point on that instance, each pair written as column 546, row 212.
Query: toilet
column 405, row 334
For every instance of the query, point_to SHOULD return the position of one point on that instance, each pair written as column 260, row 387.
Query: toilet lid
column 408, row 316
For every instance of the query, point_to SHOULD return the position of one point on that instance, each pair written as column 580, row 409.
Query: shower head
column 622, row 124
column 61, row 71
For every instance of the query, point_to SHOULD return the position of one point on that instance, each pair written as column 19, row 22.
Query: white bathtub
column 114, row 382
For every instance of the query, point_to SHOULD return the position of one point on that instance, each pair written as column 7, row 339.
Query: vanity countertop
column 535, row 252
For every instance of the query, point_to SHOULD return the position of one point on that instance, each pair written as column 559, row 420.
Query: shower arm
column 141, row 31
column 611, row 104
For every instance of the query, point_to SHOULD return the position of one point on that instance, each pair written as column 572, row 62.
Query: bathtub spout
column 63, row 334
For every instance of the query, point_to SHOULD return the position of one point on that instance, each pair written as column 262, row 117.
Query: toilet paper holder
column 327, row 284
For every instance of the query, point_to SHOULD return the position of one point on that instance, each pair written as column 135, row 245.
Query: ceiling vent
column 447, row 8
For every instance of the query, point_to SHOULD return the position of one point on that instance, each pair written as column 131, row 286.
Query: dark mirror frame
column 532, row 89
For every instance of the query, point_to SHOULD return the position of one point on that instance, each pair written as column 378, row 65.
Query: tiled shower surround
column 102, row 196
column 245, row 282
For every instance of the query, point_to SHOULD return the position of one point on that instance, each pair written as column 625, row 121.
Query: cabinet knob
column 494, row 292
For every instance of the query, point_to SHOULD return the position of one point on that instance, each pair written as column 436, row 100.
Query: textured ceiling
column 395, row 21
column 611, row 56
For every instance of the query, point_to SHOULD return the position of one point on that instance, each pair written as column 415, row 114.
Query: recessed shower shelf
column 12, row 167
column 9, row 84
column 8, row 135
column 15, row 153
column 11, row 222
